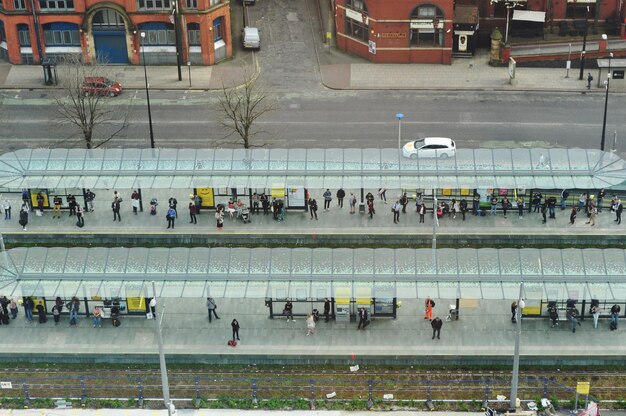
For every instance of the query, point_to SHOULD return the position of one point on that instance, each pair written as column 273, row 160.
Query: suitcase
column 613, row 326
column 232, row 343
column 80, row 224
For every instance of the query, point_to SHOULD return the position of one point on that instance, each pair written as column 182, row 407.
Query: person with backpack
column 615, row 310
column 404, row 201
column 429, row 304
column 572, row 316
column 173, row 202
column 23, row 217
column 589, row 79
column 328, row 197
column 211, row 307
column 564, row 196
column 56, row 314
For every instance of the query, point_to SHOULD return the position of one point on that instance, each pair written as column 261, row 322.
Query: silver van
column 251, row 38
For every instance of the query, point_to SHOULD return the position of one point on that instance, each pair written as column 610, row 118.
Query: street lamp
column 582, row 53
column 399, row 116
column 157, row 324
column 177, row 38
column 145, row 74
column 606, row 94
column 518, row 333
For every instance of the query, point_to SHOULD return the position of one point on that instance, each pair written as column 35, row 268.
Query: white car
column 441, row 147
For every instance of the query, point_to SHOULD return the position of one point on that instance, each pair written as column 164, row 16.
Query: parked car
column 101, row 86
column 251, row 38
column 430, row 147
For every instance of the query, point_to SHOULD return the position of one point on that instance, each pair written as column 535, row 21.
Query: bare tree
column 241, row 106
column 87, row 112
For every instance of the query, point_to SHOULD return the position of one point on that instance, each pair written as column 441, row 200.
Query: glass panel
column 74, row 262
column 531, row 262
column 509, row 262
column 96, row 260
column 216, row 289
column 343, row 262
column 384, row 264
column 448, row 290
column 35, row 260
column 521, row 160
column 18, row 257
column 446, row 262
column 186, row 160
column 112, row 160
column 299, row 290
column 157, row 260
column 573, row 262
column 352, row 160
column 322, row 261
column 490, row 290
column 278, row 159
column 470, row 290
column 384, row 290
column 364, row 262
column 172, row 289
column 135, row 289
column 406, row 290
column 556, row 291
column 239, row 261
column 116, row 262
column 198, row 261
column 204, row 161
column 259, row 261
column 577, row 291
column 236, row 289
column 55, row 260
column 281, row 261
column 600, row 291
column 194, row 289
column 510, row 290
column 334, row 159
column 137, row 260
column 92, row 289
column 502, row 160
column 256, row 290
column 467, row 263
column 57, row 159
column 619, row 290
column 223, row 160
column 66, row 289
column 219, row 261
column 321, row 289
column 405, row 262
column 177, row 261
column 426, row 289
column 594, row 262
column 424, row 263
column 614, row 262
column 551, row 262
column 371, row 159
column 488, row 263
column 297, row 160
column 279, row 289
column 578, row 160
column 301, row 261
column 533, row 291
column 315, row 160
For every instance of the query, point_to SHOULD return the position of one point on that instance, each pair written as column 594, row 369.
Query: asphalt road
column 320, row 118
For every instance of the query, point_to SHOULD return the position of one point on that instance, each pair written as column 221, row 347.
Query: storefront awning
column 312, row 168
column 529, row 16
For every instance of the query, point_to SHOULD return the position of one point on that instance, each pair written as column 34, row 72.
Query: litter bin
column 49, row 72
column 362, row 208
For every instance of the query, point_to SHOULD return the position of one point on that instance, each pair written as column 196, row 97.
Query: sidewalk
column 340, row 72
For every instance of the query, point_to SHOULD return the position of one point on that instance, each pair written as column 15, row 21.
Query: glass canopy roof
column 304, row 273
column 313, row 168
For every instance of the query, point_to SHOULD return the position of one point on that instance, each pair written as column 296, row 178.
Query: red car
column 101, row 86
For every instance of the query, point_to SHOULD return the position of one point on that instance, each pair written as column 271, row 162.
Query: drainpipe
column 37, row 35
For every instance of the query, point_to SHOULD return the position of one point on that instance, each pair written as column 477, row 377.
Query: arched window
column 218, row 29
column 357, row 26
column 193, row 32
column 61, row 34
column 108, row 19
column 427, row 26
column 158, row 33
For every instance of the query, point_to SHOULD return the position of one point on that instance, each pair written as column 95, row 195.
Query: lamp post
column 179, row 58
column 606, row 94
column 145, row 74
column 37, row 34
column 164, row 381
column 518, row 333
column 399, row 116
column 582, row 54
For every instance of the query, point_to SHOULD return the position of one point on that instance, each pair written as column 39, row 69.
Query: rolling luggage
column 613, row 326
column 232, row 343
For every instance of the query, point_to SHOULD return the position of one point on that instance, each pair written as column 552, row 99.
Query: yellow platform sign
column 582, row 387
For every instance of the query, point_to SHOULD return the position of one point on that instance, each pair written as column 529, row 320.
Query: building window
column 3, row 36
column 579, row 11
column 56, row 5
column 426, row 26
column 214, row 2
column 19, row 4
column 22, row 33
column 159, row 34
column 193, row 32
column 107, row 19
column 192, row 4
column 218, row 29
column 153, row 4
column 61, row 34
column 357, row 28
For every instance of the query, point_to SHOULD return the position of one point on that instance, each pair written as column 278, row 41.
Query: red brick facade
column 402, row 31
column 83, row 12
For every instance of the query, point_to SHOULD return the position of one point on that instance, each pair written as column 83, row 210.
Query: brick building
column 112, row 30
column 433, row 31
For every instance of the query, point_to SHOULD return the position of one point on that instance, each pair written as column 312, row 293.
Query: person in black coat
column 436, row 324
column 235, row 325
column 41, row 312
column 326, row 310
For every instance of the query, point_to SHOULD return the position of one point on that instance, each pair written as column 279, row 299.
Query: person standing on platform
column 382, row 193
column 192, row 213
column 79, row 216
column 71, row 203
column 429, row 304
column 115, row 207
column 74, row 308
column 310, row 325
column 219, row 217
column 595, row 312
column 370, row 208
column 6, row 206
column 97, row 317
column 13, row 308
column 255, row 203
column 235, row 326
column 362, row 318
column 328, row 197
column 341, row 194
column 436, row 324
column 463, row 208
column 404, row 201
column 544, row 209
column 422, row 211
column 24, row 217
column 395, row 208
column 171, row 217
column 352, row 202
column 619, row 207
column 56, row 206
column 288, row 311
column 90, row 197
column 593, row 213
column 173, row 202
column 134, row 201
column 313, row 208
column 326, row 310
column 514, row 312
column 615, row 310
column 211, row 307
column 572, row 316
column 572, row 215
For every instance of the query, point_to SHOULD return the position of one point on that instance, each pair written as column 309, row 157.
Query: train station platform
column 336, row 226
column 483, row 334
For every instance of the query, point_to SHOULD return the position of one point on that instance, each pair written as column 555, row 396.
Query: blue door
column 111, row 47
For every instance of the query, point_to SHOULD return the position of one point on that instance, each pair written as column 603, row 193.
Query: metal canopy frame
column 313, row 168
column 304, row 273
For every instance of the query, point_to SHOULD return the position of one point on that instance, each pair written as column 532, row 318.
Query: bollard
column 312, row 400
column 26, row 396
column 198, row 399
column 370, row 402
column 83, row 398
column 487, row 393
column 429, row 403
column 255, row 400
column 140, row 393
column 545, row 387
